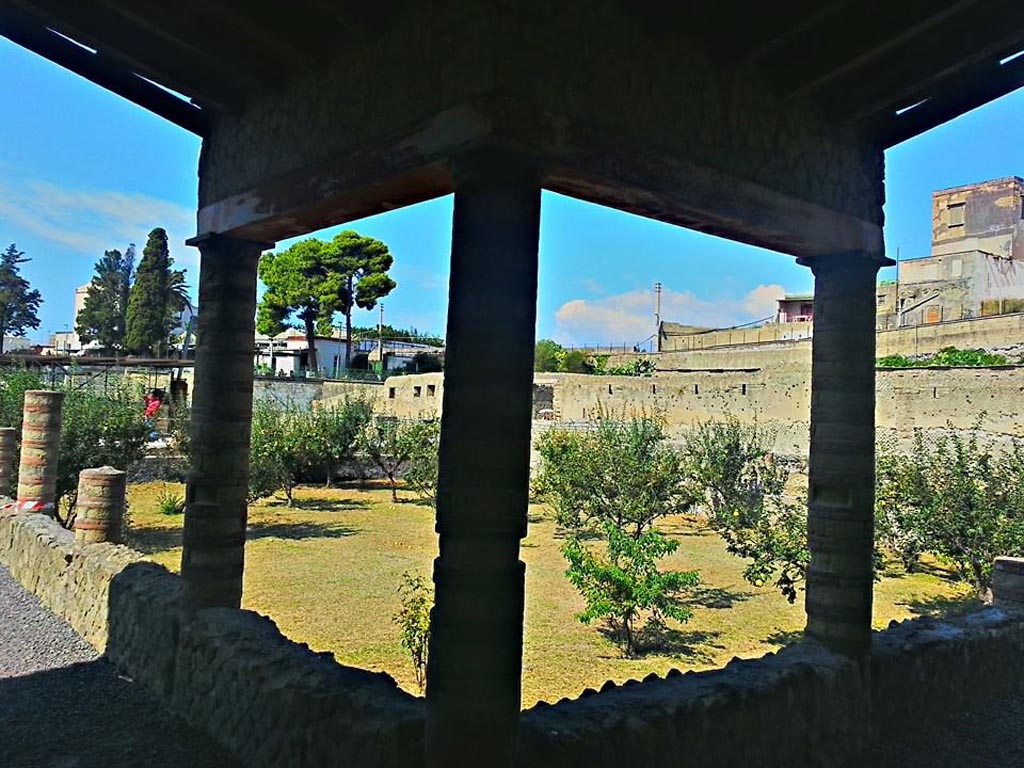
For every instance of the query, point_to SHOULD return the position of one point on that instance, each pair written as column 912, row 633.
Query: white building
column 287, row 354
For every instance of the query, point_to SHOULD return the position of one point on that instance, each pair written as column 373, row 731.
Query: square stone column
column 213, row 546
column 475, row 663
column 841, row 488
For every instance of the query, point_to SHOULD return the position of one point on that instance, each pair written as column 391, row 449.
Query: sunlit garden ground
column 328, row 571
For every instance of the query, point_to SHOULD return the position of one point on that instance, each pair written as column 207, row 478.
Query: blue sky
column 82, row 170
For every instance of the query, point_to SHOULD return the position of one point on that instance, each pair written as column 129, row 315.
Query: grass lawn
column 327, row 572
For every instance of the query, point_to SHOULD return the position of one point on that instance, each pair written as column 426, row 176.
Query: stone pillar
column 213, row 544
column 8, row 453
column 841, row 492
column 99, row 510
column 475, row 662
column 40, row 450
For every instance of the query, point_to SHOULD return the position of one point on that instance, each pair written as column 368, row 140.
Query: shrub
column 170, row 502
column 413, row 620
column 14, row 383
column 421, row 473
column 332, row 434
column 98, row 429
column 960, row 500
column 743, row 489
column 947, row 356
column 614, row 482
column 402, row 446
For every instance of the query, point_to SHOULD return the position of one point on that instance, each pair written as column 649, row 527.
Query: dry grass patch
column 328, row 570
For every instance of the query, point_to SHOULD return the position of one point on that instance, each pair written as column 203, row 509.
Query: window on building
column 417, row 391
column 955, row 211
column 431, row 390
column 391, row 393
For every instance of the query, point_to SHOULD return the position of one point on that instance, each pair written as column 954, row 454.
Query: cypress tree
column 19, row 303
column 103, row 317
column 148, row 300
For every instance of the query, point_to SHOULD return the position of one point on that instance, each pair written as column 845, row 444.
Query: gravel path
column 62, row 706
column 988, row 736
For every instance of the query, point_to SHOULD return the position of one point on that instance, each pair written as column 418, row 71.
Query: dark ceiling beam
column 919, row 69
column 972, row 87
column 29, row 33
column 898, row 27
column 136, row 49
column 191, row 32
column 303, row 42
column 773, row 42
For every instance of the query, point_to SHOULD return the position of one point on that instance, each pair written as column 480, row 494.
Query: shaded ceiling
column 887, row 70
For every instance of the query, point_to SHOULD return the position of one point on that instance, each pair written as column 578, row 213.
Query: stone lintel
column 581, row 160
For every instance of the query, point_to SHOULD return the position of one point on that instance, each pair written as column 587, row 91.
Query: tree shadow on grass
column 785, row 637
column 940, row 606
column 318, row 505
column 154, row 540
column 655, row 639
column 716, row 597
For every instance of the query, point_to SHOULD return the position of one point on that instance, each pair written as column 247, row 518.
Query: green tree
column 313, row 280
column 396, row 445
column 548, row 356
column 333, row 431
column 156, row 299
column 614, row 482
column 19, row 303
column 744, row 494
column 960, row 499
column 103, row 317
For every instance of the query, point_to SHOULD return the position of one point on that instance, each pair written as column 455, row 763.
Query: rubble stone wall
column 274, row 702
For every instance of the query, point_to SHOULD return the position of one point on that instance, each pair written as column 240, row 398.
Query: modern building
column 795, row 308
column 287, row 354
column 976, row 265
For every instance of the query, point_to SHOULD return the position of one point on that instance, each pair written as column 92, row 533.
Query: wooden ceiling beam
column 136, row 49
column 850, row 39
column 920, row 69
column 30, row 33
column 972, row 88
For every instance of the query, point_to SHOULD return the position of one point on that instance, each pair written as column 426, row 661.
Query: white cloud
column 92, row 220
column 629, row 317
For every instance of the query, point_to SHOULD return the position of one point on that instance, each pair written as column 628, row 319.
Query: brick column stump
column 1008, row 582
column 40, row 451
column 99, row 513
column 8, row 454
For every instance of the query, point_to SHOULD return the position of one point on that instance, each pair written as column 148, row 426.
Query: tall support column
column 213, row 550
column 475, row 663
column 840, row 526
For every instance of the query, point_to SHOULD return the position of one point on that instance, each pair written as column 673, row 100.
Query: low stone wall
column 72, row 580
column 274, row 702
column 271, row 701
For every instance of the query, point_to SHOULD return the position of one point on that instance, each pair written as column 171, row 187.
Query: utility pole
column 380, row 337
column 657, row 317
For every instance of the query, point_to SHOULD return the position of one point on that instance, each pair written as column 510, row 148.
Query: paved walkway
column 62, row 706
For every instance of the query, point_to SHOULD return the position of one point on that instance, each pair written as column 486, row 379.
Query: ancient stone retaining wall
column 276, row 703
